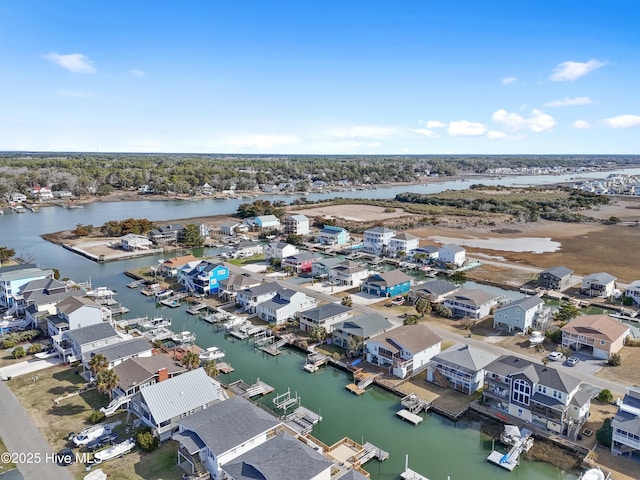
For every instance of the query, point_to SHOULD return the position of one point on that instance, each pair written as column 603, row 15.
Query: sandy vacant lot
column 355, row 213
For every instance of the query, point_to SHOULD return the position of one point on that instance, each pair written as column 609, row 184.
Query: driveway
column 28, row 366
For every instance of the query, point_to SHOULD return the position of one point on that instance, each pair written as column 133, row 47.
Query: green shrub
column 615, row 360
column 9, row 343
column 96, row 416
column 35, row 348
column 603, row 434
column 19, row 352
column 145, row 439
column 605, row 396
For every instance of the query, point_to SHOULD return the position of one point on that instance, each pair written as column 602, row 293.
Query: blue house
column 330, row 235
column 204, row 278
column 387, row 284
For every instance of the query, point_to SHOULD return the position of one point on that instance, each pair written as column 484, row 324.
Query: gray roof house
column 555, row 278
column 229, row 287
column 472, row 303
column 599, row 284
column 73, row 345
column 161, row 405
column 522, row 314
column 460, row 367
column 138, row 372
column 325, row 315
column 250, row 298
column 434, row 290
column 359, row 328
column 626, row 424
column 121, row 351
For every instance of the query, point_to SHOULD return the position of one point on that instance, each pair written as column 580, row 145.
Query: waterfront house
column 555, row 278
column 170, row 267
column 522, row 314
column 434, row 290
column 73, row 345
column 332, row 235
column 633, row 292
column 120, row 351
column 453, row 254
column 236, row 282
column 211, row 438
column 403, row 243
column 430, row 252
column 204, row 278
column 250, row 298
column 473, row 303
column 536, row 393
column 12, row 278
column 300, row 262
column 30, row 293
column 279, row 250
column 133, row 243
column 166, row 235
column 76, row 312
column 267, row 222
column 16, row 197
column 325, row 316
column 296, row 225
column 404, row 351
column 460, row 367
column 233, row 228
column 284, row 306
column 599, row 284
column 41, row 193
column 348, row 273
column 376, row 240
column 357, row 330
column 625, row 438
column 322, row 268
column 387, row 284
column 247, row 248
column 597, row 335
column 161, row 405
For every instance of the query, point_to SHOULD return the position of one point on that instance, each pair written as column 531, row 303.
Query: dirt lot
column 355, row 213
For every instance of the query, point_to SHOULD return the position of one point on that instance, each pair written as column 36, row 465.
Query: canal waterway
column 437, row 448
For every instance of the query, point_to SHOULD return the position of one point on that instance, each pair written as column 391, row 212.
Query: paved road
column 20, row 435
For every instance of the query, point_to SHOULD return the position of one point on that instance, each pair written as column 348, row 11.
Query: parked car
column 65, row 457
column 101, row 441
column 555, row 356
column 572, row 361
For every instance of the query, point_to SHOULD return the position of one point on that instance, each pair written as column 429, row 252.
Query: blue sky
column 325, row 77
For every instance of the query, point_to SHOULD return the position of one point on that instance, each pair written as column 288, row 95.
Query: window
column 521, row 392
column 602, row 342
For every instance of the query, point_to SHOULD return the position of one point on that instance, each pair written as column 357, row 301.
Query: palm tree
column 107, row 381
column 319, row 333
column 211, row 368
column 190, row 360
column 423, row 305
column 98, row 364
column 347, row 301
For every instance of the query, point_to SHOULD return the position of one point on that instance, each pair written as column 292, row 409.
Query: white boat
column 100, row 292
column 163, row 293
column 156, row 322
column 184, row 337
column 212, row 353
column 536, row 338
column 593, row 474
column 114, row 451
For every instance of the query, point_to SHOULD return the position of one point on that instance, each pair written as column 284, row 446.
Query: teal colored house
column 330, row 235
column 205, row 277
column 387, row 284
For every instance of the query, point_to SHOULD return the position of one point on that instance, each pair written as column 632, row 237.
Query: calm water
column 436, row 448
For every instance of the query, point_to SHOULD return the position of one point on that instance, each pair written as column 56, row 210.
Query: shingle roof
column 71, row 304
column 180, row 394
column 282, row 457
column 42, row 284
column 405, row 237
column 508, row 365
column 390, row 278
column 134, row 371
column 465, row 358
column 559, row 272
column 452, row 247
column 526, row 303
column 380, row 230
column 602, row 327
column 323, row 312
column 228, row 424
column 91, row 333
column 261, row 289
column 126, row 348
column 412, row 338
column 437, row 287
column 600, row 277
column 628, row 421
column 365, row 325
column 472, row 297
column 302, row 257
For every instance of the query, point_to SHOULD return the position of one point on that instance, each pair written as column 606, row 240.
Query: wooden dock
column 136, row 283
column 361, row 380
column 509, row 460
column 314, row 361
column 240, row 387
column 195, row 309
column 224, row 367
column 369, row 452
column 174, row 300
column 353, row 388
column 274, row 348
column 409, row 417
column 409, row 474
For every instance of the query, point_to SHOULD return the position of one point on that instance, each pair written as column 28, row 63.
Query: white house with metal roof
column 472, row 303
column 296, row 224
column 599, row 284
column 403, row 242
column 633, row 292
column 460, row 367
column 376, row 240
column 284, row 306
column 522, row 314
column 162, row 405
column 325, row 316
column 452, row 253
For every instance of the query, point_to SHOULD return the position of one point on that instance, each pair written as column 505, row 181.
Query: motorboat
column 114, row 451
column 156, row 322
column 212, row 353
column 593, row 474
column 536, row 338
column 100, row 292
column 184, row 337
column 163, row 293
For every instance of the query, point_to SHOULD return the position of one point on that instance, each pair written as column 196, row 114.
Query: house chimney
column 163, row 374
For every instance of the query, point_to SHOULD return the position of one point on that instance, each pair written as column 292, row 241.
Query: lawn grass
column 5, row 467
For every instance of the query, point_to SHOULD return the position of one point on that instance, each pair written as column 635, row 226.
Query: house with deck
column 229, row 287
column 430, row 253
column 31, row 294
column 376, row 240
column 597, row 335
column 134, row 243
column 250, row 298
column 233, row 228
column 296, row 225
column 166, row 234
column 472, row 303
column 453, row 254
column 460, row 367
column 536, row 393
column 387, row 284
column 162, row 405
column 171, row 266
column 12, row 278
column 248, row 248
column 267, row 222
column 358, row 329
column 300, row 262
column 332, row 235
column 403, row 243
column 322, row 268
column 434, row 290
column 348, row 272
column 599, row 284
column 120, row 351
column 74, row 345
column 404, row 351
column 76, row 312
column 625, row 438
column 203, row 278
column 284, row 306
column 279, row 250
column 555, row 278
column 633, row 292
column 324, row 316
column 522, row 314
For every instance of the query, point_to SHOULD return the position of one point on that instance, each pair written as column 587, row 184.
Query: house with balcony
column 430, row 253
column 555, row 278
column 247, row 248
column 284, row 306
column 403, row 243
column 76, row 312
column 250, row 298
column 16, row 197
column 349, row 273
column 279, row 250
column 460, row 367
column 625, row 438
column 166, row 234
column 203, row 278
column 376, row 240
column 300, row 262
column 322, row 268
column 267, row 222
column 120, row 352
column 633, row 292
column 404, row 351
column 236, row 282
column 358, row 329
column 599, row 284
column 472, row 303
column 387, row 284
column 536, row 393
column 332, row 235
column 162, row 405
column 522, row 314
column 74, row 345
column 41, row 193
column 296, row 225
column 597, row 335
column 233, row 228
column 324, row 316
column 171, row 266
column 453, row 254
column 434, row 290
column 133, row 243
column 12, row 278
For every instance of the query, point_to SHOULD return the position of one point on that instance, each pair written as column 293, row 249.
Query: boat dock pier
column 509, row 460
column 315, row 361
column 274, row 348
column 136, row 283
column 302, row 420
column 174, row 300
column 195, row 309
column 240, row 387
column 369, row 452
column 412, row 405
column 224, row 367
column 361, row 380
column 265, row 336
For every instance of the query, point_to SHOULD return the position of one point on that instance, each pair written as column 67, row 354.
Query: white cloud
column 538, row 122
column 261, row 141
column 494, row 134
column 569, row 71
column 365, row 131
column 464, row 128
column 569, row 102
column 435, row 124
column 581, row 124
column 623, row 121
column 137, row 73
column 426, row 132
column 74, row 62
column 509, row 80
column 76, row 94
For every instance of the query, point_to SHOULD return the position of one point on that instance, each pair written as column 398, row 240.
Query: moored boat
column 212, row 353
column 536, row 338
column 156, row 322
column 184, row 337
